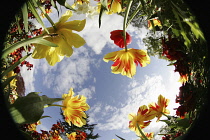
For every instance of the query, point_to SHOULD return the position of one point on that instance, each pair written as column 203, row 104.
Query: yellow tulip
column 63, row 36
column 74, row 107
column 143, row 117
column 125, row 62
column 160, row 107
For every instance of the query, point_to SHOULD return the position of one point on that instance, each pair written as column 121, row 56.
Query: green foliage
column 32, row 6
column 29, row 109
column 14, row 65
column 120, row 137
column 35, row 40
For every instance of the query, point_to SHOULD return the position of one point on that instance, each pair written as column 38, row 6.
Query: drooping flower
column 143, row 117
column 160, row 107
column 74, row 108
column 156, row 22
column 117, row 37
column 125, row 62
column 64, row 37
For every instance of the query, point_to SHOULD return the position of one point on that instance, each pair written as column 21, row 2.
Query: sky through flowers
column 111, row 97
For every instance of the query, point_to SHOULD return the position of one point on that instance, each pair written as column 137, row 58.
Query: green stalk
column 141, row 132
column 53, row 105
column 169, row 117
column 134, row 14
column 46, row 15
column 125, row 22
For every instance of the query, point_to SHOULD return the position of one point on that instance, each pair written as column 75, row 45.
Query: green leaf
column 14, row 65
column 25, row 16
column 45, row 117
column 29, row 109
column 37, row 40
column 196, row 30
column 183, row 33
column 102, row 10
column 36, row 14
column 183, row 123
column 120, row 137
column 65, row 4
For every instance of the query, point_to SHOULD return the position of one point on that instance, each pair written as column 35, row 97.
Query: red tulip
column 117, row 36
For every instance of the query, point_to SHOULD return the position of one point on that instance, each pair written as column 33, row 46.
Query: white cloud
column 70, row 72
column 87, row 92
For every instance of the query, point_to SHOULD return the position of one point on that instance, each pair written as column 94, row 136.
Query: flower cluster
column 146, row 113
column 83, row 7
column 186, row 99
column 16, row 56
column 171, row 136
column 78, row 135
column 74, row 107
column 173, row 50
column 52, row 134
column 47, row 6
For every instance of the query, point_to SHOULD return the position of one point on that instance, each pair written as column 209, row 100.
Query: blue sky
column 111, row 96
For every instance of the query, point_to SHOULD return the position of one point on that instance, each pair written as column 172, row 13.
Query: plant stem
column 46, row 15
column 169, row 117
column 141, row 132
column 125, row 22
column 53, row 105
column 134, row 14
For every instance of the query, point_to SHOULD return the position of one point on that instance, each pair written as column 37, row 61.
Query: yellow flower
column 125, row 62
column 116, row 6
column 160, row 107
column 71, row 136
column 13, row 82
column 143, row 117
column 156, row 22
column 74, row 108
column 183, row 78
column 63, row 37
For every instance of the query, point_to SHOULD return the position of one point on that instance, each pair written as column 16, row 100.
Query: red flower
column 117, row 36
column 181, row 111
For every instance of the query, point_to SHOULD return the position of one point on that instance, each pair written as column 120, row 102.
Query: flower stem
column 169, row 117
column 53, row 105
column 46, row 15
column 141, row 132
column 125, row 22
column 134, row 14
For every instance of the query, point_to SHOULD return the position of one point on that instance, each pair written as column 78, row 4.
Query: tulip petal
column 77, row 25
column 72, row 38
column 64, row 17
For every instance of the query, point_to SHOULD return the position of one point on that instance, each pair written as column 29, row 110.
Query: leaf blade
column 24, row 10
